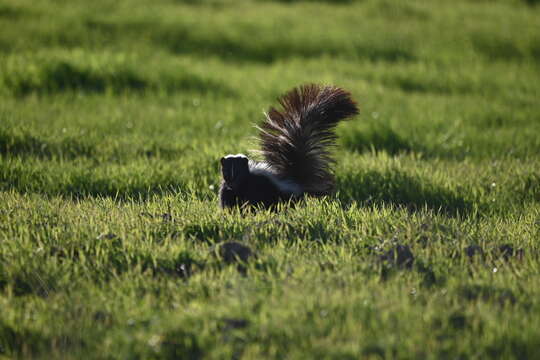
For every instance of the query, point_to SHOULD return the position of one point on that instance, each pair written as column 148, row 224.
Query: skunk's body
column 253, row 184
column 295, row 143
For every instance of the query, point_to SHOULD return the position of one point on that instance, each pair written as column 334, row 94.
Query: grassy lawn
column 114, row 114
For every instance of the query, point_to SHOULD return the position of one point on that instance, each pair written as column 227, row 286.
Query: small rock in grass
column 102, row 316
column 473, row 250
column 327, row 266
column 507, row 252
column 227, row 326
column 399, row 255
column 232, row 323
column 166, row 217
column 58, row 252
column 232, row 252
column 457, row 320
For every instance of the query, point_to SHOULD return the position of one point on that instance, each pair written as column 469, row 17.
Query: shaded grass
column 16, row 143
column 85, row 181
column 377, row 137
column 279, row 50
column 504, row 48
column 333, row 2
column 29, row 145
column 400, row 189
column 237, row 46
column 22, row 341
column 65, row 77
column 11, row 12
column 79, row 71
column 216, row 36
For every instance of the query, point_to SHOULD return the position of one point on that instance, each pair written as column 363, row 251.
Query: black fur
column 235, row 171
column 256, row 190
column 241, row 187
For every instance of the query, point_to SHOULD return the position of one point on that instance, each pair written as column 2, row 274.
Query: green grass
column 113, row 116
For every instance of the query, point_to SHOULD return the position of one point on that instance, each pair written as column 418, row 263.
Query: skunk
column 295, row 143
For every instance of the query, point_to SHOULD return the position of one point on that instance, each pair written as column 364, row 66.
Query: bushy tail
column 296, row 141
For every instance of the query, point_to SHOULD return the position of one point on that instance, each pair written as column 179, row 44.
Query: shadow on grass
column 412, row 85
column 25, row 168
column 101, row 258
column 64, row 76
column 378, row 138
column 28, row 145
column 181, row 41
column 184, row 39
column 332, row 2
column 487, row 293
column 526, row 188
column 496, row 48
column 400, row 189
column 181, row 344
column 85, row 184
column 8, row 12
column 26, row 283
column 22, row 342
column 187, row 82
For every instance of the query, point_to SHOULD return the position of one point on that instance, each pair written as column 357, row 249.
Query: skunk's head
column 235, row 170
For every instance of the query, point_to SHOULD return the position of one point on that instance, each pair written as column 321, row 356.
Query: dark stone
column 102, row 317
column 428, row 275
column 507, row 252
column 327, row 266
column 233, row 252
column 473, row 250
column 457, row 321
column 399, row 255
column 231, row 323
column 166, row 217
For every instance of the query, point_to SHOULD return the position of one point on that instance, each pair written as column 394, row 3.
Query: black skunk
column 295, row 143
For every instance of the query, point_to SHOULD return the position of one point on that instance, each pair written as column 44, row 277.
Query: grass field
column 113, row 116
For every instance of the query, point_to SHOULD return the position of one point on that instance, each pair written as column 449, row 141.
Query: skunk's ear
column 245, row 160
column 222, row 160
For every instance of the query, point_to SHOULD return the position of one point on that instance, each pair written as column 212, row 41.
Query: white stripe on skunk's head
column 235, row 170
column 241, row 156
